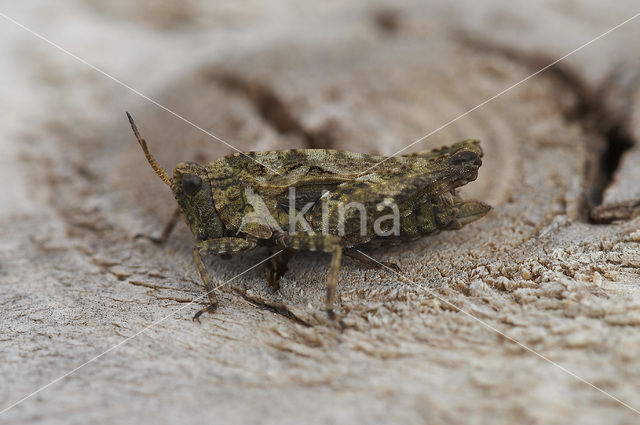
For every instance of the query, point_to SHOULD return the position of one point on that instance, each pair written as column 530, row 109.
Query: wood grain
column 361, row 77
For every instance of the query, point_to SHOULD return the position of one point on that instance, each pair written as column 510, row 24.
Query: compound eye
column 191, row 184
column 465, row 156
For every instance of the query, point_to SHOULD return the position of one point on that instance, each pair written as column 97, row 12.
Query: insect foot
column 208, row 309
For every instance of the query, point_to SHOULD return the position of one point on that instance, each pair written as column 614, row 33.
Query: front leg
column 218, row 246
column 325, row 243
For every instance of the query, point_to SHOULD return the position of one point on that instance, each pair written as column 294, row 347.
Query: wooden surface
column 559, row 156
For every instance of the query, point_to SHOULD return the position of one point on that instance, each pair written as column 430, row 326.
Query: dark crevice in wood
column 593, row 109
column 609, row 125
column 594, row 112
column 618, row 141
column 273, row 110
column 386, row 20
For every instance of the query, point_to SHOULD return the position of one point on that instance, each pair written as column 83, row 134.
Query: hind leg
column 357, row 255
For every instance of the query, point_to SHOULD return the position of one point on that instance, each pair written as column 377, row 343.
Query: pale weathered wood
column 361, row 77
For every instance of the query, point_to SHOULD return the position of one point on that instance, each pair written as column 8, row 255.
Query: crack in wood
column 278, row 308
column 274, row 110
column 387, row 20
column 176, row 299
column 149, row 285
column 593, row 109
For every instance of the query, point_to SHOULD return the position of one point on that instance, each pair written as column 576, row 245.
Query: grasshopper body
column 319, row 200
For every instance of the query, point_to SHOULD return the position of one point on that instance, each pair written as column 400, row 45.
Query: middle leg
column 276, row 267
column 325, row 243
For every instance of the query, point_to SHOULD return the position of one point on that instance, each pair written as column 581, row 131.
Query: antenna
column 152, row 161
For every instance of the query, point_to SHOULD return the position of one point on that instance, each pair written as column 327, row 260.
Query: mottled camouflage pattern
column 216, row 199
